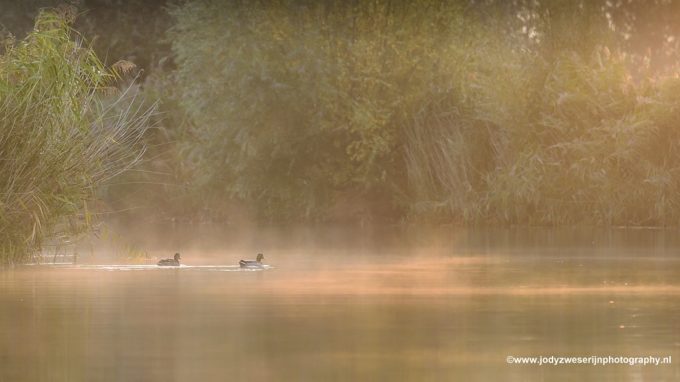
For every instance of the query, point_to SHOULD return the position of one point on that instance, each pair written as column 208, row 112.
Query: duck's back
column 168, row 263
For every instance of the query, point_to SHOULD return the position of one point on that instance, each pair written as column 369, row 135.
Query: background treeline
column 509, row 112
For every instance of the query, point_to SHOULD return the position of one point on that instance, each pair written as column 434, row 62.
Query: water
column 437, row 306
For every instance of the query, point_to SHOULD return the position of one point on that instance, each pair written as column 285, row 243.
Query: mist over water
column 350, row 304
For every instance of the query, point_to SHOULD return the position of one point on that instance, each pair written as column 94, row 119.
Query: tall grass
column 60, row 139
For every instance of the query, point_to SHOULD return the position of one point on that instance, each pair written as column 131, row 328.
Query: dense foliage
column 61, row 134
column 510, row 112
column 299, row 104
column 522, row 113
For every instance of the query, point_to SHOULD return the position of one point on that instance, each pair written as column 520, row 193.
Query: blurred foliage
column 159, row 186
column 511, row 112
column 296, row 104
column 539, row 116
column 60, row 139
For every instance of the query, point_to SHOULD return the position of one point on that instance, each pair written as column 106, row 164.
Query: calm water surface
column 444, row 306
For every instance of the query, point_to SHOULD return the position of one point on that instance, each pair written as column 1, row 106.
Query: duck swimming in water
column 252, row 263
column 170, row 262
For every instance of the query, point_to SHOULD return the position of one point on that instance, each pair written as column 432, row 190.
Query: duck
column 252, row 263
column 174, row 262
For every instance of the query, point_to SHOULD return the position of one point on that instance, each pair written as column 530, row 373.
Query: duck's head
column 260, row 257
column 177, row 257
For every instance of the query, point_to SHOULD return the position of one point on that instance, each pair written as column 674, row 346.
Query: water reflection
column 408, row 308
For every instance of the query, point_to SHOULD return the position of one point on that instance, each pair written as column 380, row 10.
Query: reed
column 65, row 128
